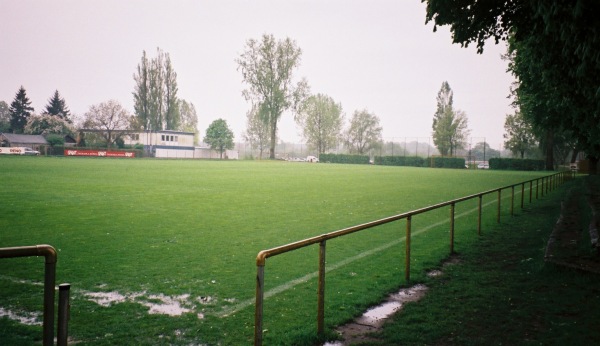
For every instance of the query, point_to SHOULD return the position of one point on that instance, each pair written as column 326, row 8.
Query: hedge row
column 517, row 164
column 446, row 162
column 413, row 161
column 342, row 158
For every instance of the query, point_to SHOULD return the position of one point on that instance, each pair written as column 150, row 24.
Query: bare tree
column 109, row 118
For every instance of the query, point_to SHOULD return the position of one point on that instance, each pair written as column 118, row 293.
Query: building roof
column 24, row 139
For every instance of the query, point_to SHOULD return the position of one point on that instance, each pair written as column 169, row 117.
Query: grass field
column 147, row 235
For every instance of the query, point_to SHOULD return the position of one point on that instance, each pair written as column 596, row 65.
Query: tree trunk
column 549, row 150
column 273, row 139
column 593, row 169
column 574, row 155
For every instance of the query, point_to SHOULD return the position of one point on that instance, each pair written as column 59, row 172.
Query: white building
column 175, row 145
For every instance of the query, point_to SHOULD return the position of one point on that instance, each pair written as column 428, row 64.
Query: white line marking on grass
column 282, row 288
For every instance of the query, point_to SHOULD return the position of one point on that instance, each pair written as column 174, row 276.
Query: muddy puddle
column 374, row 318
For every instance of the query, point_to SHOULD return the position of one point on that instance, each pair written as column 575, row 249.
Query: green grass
column 502, row 292
column 194, row 227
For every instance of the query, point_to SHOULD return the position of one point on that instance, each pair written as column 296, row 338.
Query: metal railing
column 49, row 290
column 547, row 184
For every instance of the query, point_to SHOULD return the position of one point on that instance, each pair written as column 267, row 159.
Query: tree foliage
column 58, row 107
column 46, row 124
column 555, row 55
column 321, row 121
column 267, row 68
column 219, row 136
column 4, row 117
column 449, row 126
column 519, row 134
column 156, row 104
column 188, row 117
column 109, row 119
column 20, row 111
column 257, row 131
column 363, row 133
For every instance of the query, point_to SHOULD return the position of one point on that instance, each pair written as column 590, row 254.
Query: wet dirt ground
column 568, row 245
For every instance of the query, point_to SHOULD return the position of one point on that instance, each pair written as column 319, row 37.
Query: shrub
column 517, row 164
column 446, row 162
column 412, row 161
column 343, row 158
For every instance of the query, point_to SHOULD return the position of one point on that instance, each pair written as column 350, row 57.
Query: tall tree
column 20, row 111
column 109, row 119
column 321, row 121
column 519, row 134
column 156, row 88
column 219, row 136
column 58, row 107
column 267, row 68
column 141, row 94
column 257, row 131
column 189, row 118
column 4, row 117
column 363, row 133
column 171, row 103
column 156, row 103
column 449, row 126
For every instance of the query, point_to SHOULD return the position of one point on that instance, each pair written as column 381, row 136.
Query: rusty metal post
column 452, row 228
column 49, row 281
column 499, row 197
column 321, row 291
column 63, row 314
column 543, row 178
column 480, row 205
column 530, row 190
column 522, row 195
column 407, row 259
column 258, row 312
column 512, row 200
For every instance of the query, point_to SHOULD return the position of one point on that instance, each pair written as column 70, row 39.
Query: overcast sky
column 377, row 55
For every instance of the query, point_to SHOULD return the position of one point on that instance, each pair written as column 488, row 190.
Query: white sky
column 377, row 55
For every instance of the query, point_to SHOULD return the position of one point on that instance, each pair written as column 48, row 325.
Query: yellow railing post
column 479, row 214
column 321, row 290
column 50, row 255
column 452, row 228
column 512, row 201
column 499, row 197
column 258, row 309
column 522, row 195
column 407, row 259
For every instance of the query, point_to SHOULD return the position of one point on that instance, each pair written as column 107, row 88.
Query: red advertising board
column 100, row 153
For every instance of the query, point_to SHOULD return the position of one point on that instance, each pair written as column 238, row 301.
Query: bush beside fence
column 343, row 158
column 412, row 161
column 517, row 164
column 446, row 162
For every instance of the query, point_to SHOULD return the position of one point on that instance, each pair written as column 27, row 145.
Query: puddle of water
column 105, row 298
column 374, row 318
column 28, row 318
column 171, row 306
column 377, row 314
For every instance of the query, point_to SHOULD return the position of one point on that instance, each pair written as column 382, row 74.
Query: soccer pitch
column 163, row 251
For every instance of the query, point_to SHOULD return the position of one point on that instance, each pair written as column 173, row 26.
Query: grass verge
column 503, row 292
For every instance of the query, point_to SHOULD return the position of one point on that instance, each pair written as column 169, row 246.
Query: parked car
column 312, row 159
column 483, row 166
column 29, row 151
